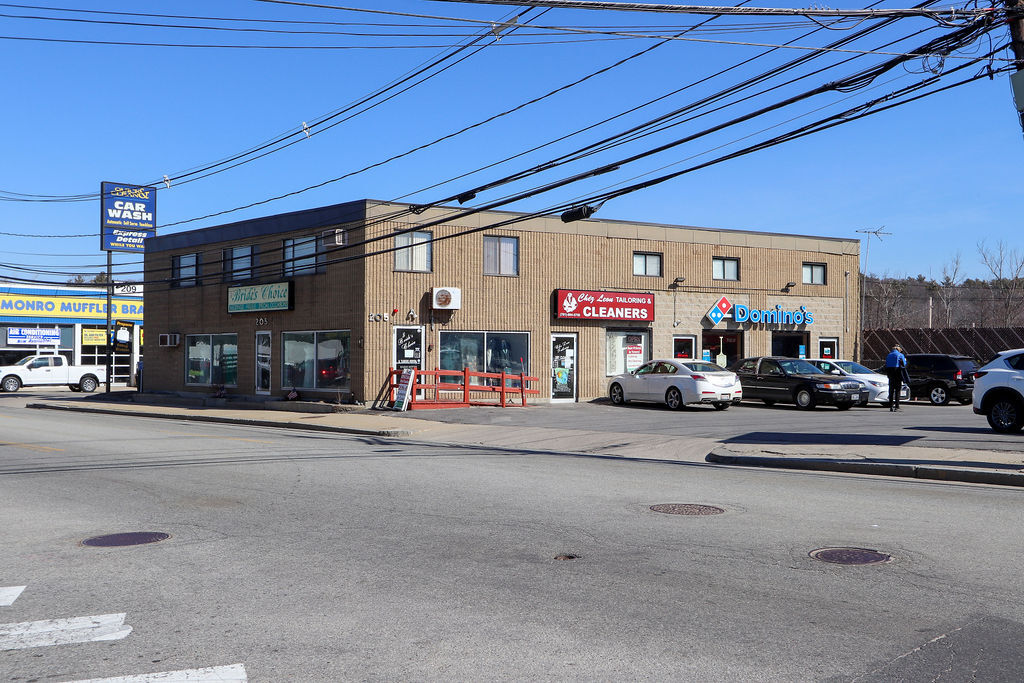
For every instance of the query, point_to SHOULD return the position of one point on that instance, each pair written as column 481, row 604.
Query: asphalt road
column 917, row 424
column 312, row 557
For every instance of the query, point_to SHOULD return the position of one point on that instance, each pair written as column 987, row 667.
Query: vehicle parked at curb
column 676, row 383
column 51, row 369
column 999, row 391
column 877, row 383
column 940, row 377
column 779, row 379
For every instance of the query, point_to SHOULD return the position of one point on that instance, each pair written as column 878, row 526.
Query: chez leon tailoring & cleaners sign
column 594, row 305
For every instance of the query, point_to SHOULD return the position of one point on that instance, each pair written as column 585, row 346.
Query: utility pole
column 1016, row 23
column 878, row 232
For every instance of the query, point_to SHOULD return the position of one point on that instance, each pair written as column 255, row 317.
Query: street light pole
column 878, row 232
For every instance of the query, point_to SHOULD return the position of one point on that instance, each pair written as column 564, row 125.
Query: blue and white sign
column 777, row 316
column 127, row 216
column 706, row 355
column 33, row 336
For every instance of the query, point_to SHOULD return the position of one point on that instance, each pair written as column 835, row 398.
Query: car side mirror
column 836, row 372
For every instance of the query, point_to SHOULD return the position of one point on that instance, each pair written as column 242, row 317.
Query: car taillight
column 959, row 375
column 980, row 373
column 700, row 377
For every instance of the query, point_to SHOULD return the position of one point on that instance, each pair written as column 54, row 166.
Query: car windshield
column 792, row 366
column 24, row 360
column 701, row 366
column 854, row 368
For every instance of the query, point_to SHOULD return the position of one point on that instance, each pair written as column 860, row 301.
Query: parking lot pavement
column 922, row 440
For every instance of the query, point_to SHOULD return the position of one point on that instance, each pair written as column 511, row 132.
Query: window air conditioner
column 170, row 339
column 334, row 238
column 446, row 298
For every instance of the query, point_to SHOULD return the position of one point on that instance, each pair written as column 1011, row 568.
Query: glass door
column 563, row 368
column 263, row 363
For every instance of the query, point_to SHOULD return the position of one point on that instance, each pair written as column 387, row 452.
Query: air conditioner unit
column 169, row 339
column 446, row 298
column 334, row 238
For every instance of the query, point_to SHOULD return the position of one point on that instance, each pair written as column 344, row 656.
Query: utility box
column 1017, row 82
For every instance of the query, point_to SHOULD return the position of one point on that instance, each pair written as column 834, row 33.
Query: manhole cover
column 687, row 509
column 128, row 538
column 850, row 556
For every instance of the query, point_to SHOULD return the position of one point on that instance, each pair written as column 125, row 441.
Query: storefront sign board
column 94, row 337
column 403, row 392
column 276, row 296
column 31, row 336
column 77, row 307
column 576, row 304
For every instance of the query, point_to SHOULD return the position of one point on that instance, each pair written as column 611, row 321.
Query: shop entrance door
column 791, row 344
column 263, row 363
column 724, row 348
column 563, row 368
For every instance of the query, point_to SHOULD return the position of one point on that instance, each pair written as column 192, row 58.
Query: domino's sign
column 767, row 316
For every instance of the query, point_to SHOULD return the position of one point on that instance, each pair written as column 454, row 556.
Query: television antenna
column 877, row 232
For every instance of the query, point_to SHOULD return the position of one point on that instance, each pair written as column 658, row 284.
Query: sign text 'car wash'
column 588, row 305
column 127, row 216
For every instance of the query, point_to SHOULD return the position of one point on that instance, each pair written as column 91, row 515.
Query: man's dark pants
column 895, row 386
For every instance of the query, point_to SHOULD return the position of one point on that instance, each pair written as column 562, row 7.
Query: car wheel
column 673, row 399
column 721, row 405
column 88, row 385
column 11, row 384
column 768, row 401
column 804, row 398
column 615, row 394
column 938, row 395
column 1006, row 415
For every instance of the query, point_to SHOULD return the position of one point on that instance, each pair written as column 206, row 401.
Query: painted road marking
column 234, row 673
column 9, row 594
column 63, row 631
column 29, row 446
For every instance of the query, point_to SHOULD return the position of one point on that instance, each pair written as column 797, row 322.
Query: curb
column 225, row 420
column 933, row 472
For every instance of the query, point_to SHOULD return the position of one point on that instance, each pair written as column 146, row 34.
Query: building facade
column 71, row 321
column 325, row 301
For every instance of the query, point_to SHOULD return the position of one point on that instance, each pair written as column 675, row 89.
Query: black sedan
column 776, row 379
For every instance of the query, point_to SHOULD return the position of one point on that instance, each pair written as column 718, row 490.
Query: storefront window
column 13, row 346
column 486, row 352
column 626, row 350
column 211, row 359
column 316, row 360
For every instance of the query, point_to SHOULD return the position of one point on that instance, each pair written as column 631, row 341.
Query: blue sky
column 939, row 173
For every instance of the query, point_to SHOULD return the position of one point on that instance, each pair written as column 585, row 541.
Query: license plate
column 726, row 397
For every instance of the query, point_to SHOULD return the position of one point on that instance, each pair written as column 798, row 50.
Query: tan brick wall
column 594, row 255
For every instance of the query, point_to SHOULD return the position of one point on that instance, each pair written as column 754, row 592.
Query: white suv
column 999, row 391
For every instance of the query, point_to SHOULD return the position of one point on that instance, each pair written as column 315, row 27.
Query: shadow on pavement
column 831, row 439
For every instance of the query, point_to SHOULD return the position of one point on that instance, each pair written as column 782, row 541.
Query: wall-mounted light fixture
column 788, row 286
column 674, row 286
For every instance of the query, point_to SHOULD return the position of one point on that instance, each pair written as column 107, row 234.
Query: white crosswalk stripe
column 234, row 673
column 63, row 631
column 9, row 594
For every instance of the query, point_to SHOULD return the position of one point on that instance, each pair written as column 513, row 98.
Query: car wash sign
column 127, row 216
column 587, row 305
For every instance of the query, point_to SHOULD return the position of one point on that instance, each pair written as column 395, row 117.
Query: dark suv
column 777, row 379
column 939, row 377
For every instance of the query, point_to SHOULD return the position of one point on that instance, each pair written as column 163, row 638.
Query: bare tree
column 887, row 294
column 1007, row 268
column 949, row 291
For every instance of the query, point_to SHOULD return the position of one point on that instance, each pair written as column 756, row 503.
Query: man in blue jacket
column 895, row 368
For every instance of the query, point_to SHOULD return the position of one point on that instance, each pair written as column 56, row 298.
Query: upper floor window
column 238, row 263
column 301, row 256
column 725, row 268
column 501, row 255
column 413, row 251
column 645, row 263
column 814, row 273
column 184, row 270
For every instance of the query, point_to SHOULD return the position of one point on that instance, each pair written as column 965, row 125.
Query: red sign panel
column 586, row 305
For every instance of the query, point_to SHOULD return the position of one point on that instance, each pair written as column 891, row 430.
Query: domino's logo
column 719, row 310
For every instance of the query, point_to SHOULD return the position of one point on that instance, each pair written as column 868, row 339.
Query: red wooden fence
column 436, row 389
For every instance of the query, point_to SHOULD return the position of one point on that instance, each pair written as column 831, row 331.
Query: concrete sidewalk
column 973, row 466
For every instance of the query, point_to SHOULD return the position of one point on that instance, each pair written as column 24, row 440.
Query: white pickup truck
column 51, row 369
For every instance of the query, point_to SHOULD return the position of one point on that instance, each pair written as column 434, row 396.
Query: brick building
column 326, row 300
